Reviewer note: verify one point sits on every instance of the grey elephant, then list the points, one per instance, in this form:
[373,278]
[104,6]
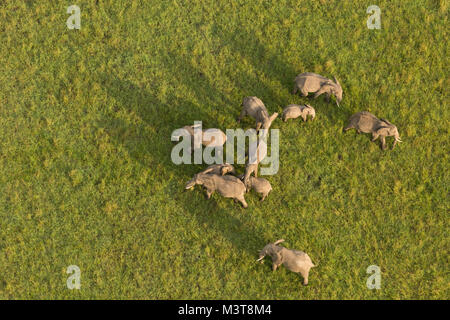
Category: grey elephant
[220,169]
[379,128]
[212,137]
[294,111]
[260,185]
[254,107]
[228,186]
[293,260]
[311,82]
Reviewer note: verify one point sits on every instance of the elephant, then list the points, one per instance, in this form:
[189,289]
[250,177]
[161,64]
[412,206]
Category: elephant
[366,122]
[228,186]
[293,111]
[293,260]
[255,108]
[212,137]
[260,185]
[311,82]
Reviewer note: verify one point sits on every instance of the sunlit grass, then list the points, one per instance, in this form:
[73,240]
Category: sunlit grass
[86,175]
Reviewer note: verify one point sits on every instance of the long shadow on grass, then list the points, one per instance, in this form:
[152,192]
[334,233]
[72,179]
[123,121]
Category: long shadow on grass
[147,139]
[155,150]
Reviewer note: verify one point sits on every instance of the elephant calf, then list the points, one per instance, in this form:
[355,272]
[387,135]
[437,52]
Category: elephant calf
[293,260]
[212,137]
[260,185]
[311,82]
[220,169]
[294,111]
[255,108]
[366,122]
[228,186]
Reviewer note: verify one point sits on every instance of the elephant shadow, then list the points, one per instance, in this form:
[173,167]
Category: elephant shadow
[142,116]
[153,122]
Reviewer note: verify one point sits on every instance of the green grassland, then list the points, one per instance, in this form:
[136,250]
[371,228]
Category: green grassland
[86,176]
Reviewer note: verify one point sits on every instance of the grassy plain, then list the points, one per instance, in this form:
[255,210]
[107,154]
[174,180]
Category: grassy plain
[86,177]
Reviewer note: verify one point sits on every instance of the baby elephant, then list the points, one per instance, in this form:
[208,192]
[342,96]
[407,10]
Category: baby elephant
[366,122]
[212,137]
[260,185]
[294,111]
[310,82]
[220,169]
[255,108]
[228,186]
[293,260]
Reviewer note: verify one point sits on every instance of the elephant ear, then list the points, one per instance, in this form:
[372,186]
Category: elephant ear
[336,81]
[327,82]
[278,257]
[385,121]
[383,131]
[325,87]
[261,114]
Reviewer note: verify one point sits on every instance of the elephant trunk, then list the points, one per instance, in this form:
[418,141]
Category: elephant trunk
[190,184]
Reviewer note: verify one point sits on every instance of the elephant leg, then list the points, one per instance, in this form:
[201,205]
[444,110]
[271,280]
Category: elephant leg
[241,199]
[305,274]
[274,266]
[304,92]
[383,143]
[295,89]
[375,136]
[263,197]
[395,142]
[327,97]
[258,126]
[208,193]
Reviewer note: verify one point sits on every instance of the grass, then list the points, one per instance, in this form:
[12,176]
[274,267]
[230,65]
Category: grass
[86,176]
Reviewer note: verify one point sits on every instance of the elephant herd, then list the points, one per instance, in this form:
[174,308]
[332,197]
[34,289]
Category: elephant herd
[223,178]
